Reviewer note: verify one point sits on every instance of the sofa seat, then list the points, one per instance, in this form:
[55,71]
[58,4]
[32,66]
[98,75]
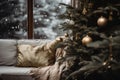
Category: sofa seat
[15,73]
[14,70]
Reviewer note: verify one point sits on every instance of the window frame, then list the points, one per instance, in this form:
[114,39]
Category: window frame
[30,19]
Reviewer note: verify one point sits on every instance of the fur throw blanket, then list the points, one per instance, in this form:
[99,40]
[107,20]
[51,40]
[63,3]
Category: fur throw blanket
[52,72]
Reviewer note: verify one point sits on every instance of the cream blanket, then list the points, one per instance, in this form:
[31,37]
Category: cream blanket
[48,73]
[52,72]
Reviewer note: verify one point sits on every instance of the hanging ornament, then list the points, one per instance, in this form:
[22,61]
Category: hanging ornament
[66,34]
[102,21]
[110,16]
[87,39]
[109,67]
[84,11]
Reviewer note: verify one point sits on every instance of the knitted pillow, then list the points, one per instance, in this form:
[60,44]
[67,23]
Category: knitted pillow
[34,56]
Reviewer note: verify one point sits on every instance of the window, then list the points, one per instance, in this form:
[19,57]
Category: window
[45,18]
[13,19]
[14,23]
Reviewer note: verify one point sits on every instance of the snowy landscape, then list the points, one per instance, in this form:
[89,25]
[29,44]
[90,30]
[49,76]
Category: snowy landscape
[46,22]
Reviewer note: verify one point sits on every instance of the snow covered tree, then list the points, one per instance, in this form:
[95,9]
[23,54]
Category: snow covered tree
[8,24]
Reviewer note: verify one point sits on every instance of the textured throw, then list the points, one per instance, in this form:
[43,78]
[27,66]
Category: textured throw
[48,73]
[52,72]
[37,56]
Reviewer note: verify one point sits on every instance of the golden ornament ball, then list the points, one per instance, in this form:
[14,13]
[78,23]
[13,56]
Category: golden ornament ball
[102,21]
[87,39]
[66,34]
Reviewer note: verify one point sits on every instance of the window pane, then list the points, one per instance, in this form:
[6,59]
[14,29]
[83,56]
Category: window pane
[13,19]
[46,21]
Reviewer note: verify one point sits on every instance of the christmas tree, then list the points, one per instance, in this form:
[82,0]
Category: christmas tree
[92,49]
[8,23]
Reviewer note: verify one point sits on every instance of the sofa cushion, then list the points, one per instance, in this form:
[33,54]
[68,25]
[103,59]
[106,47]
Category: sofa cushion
[11,70]
[34,56]
[33,42]
[16,77]
[8,52]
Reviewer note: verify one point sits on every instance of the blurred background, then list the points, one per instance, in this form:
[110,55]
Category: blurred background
[13,18]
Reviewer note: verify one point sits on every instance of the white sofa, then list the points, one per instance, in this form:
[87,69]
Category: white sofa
[8,59]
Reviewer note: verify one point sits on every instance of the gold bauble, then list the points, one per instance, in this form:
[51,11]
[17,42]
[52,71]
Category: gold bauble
[84,11]
[102,21]
[110,16]
[66,34]
[87,39]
